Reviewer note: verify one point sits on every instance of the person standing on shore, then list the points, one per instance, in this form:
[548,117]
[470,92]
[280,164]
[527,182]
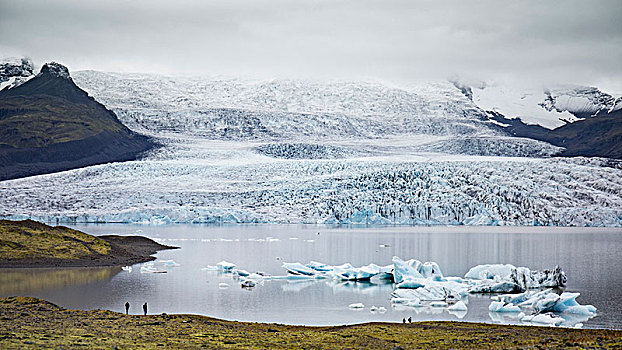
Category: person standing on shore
[127,307]
[145,308]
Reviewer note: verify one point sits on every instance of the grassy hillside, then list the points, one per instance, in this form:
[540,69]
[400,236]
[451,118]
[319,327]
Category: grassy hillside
[39,121]
[34,323]
[49,124]
[32,240]
[32,244]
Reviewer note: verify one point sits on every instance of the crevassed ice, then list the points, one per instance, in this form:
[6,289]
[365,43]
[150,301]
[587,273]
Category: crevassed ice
[309,152]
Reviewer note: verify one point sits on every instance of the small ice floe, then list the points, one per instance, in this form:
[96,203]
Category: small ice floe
[240,272]
[499,306]
[222,266]
[168,263]
[299,269]
[225,266]
[384,245]
[248,284]
[293,238]
[127,268]
[438,304]
[310,240]
[223,285]
[459,306]
[549,319]
[272,239]
[377,309]
[356,306]
[412,302]
[150,268]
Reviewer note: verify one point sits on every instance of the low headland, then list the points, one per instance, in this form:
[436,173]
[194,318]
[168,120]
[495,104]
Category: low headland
[27,322]
[33,244]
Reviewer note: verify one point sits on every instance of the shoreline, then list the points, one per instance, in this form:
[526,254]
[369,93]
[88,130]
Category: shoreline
[34,323]
[30,244]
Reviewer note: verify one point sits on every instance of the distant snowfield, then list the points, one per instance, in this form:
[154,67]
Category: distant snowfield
[550,108]
[294,152]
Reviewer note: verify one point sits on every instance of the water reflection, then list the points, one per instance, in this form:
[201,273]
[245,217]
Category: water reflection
[21,281]
[590,258]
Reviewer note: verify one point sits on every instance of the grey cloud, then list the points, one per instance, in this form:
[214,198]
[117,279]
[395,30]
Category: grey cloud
[396,40]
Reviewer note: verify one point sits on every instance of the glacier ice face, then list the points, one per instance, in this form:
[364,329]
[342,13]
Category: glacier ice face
[416,190]
[333,153]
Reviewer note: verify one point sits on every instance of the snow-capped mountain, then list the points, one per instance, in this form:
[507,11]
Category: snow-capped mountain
[318,152]
[284,110]
[15,71]
[547,107]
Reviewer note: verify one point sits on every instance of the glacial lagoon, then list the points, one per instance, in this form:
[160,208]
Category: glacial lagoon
[589,256]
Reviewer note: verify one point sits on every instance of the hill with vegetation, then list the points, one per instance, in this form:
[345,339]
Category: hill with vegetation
[32,244]
[48,124]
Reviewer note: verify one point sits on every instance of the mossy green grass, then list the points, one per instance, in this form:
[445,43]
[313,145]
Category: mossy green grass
[33,240]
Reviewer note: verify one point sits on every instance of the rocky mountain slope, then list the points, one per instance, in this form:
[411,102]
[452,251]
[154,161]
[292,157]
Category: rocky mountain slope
[48,124]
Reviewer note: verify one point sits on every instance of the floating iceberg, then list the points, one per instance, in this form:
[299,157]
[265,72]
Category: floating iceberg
[495,287]
[374,309]
[427,293]
[499,306]
[459,306]
[225,266]
[418,284]
[414,269]
[239,272]
[127,268]
[248,284]
[522,277]
[545,306]
[542,319]
[490,271]
[299,269]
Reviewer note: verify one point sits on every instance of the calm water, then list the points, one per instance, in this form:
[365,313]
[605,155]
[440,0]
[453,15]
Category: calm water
[590,257]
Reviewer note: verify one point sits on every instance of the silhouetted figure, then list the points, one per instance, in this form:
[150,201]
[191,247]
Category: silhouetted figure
[403,320]
[145,308]
[127,307]
[410,320]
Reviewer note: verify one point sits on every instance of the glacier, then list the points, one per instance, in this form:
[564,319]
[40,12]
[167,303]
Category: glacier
[281,151]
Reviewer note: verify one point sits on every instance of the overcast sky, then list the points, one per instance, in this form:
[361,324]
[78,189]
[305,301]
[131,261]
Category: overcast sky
[537,42]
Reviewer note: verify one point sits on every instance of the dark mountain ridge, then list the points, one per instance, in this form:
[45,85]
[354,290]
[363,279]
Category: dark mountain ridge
[48,124]
[598,136]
